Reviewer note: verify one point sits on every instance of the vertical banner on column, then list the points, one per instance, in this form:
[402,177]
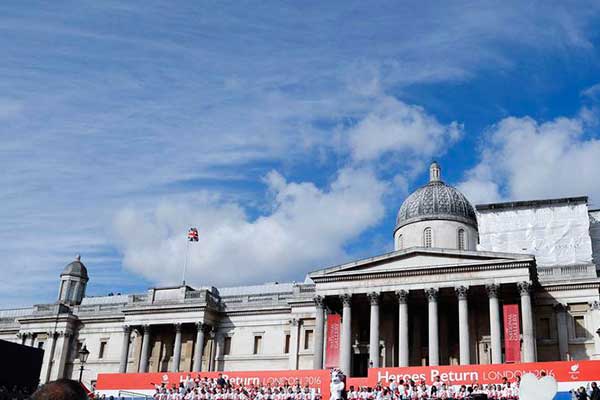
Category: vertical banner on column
[512,333]
[332,357]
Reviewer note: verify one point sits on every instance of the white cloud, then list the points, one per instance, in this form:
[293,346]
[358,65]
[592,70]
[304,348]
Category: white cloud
[396,127]
[111,116]
[526,159]
[307,228]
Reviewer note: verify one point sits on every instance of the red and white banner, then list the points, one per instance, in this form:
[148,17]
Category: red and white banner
[145,383]
[569,374]
[332,355]
[512,334]
[562,371]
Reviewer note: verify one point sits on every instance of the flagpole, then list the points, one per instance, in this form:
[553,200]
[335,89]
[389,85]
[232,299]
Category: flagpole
[187,253]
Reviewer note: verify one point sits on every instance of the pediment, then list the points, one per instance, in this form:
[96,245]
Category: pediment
[421,258]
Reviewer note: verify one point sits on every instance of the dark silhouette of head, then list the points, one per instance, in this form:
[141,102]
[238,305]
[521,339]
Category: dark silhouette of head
[62,389]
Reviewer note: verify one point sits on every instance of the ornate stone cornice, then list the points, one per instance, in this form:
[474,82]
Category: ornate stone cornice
[374,298]
[346,299]
[432,294]
[524,288]
[440,270]
[492,290]
[462,292]
[402,296]
[555,287]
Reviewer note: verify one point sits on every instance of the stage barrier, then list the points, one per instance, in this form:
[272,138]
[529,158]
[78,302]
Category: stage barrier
[569,375]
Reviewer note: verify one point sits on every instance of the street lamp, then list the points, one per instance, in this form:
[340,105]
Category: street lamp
[83,355]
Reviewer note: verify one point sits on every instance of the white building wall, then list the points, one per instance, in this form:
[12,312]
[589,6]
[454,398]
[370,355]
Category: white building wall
[444,235]
[91,334]
[555,234]
[243,329]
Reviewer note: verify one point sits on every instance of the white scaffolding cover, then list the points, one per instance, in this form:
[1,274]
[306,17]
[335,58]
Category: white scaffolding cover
[555,234]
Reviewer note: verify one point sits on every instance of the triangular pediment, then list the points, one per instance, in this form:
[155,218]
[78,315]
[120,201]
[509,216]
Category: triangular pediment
[420,258]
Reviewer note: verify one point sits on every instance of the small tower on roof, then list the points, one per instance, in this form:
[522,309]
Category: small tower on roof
[73,282]
[435,172]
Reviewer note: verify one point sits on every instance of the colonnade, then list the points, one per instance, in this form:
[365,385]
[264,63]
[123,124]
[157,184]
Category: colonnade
[432,294]
[201,330]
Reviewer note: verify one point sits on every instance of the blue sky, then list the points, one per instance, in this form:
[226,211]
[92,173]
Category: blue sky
[288,132]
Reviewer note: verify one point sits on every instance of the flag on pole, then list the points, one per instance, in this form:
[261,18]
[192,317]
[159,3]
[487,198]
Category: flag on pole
[192,235]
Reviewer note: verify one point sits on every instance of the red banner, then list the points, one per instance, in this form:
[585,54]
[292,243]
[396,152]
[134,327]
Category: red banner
[512,334]
[568,374]
[145,383]
[332,357]
[562,371]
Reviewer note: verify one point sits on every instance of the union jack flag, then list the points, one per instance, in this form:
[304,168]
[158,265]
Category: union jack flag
[192,235]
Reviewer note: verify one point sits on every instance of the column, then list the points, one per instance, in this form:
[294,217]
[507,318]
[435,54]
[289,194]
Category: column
[293,349]
[177,348]
[374,331]
[61,349]
[495,330]
[125,349]
[346,349]
[319,332]
[48,357]
[527,313]
[563,330]
[595,310]
[145,349]
[434,343]
[463,325]
[199,346]
[219,341]
[403,353]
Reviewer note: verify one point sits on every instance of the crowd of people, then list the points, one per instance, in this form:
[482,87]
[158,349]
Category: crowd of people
[13,392]
[203,388]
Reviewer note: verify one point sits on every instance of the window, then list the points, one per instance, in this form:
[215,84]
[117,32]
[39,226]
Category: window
[308,339]
[461,239]
[427,237]
[227,346]
[580,331]
[544,328]
[102,348]
[286,344]
[257,344]
[400,243]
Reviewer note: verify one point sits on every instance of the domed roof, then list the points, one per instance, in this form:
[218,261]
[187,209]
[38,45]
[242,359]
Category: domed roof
[76,268]
[436,201]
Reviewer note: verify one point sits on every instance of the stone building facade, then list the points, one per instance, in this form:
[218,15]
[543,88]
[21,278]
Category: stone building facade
[435,300]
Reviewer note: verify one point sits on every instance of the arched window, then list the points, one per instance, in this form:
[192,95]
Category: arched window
[461,239]
[399,243]
[427,237]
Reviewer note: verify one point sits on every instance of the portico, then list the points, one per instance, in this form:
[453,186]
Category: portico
[171,333]
[426,306]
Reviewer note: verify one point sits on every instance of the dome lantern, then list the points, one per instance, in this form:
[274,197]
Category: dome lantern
[435,172]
